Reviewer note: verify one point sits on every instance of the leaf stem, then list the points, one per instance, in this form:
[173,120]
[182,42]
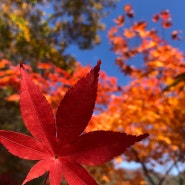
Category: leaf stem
[46,178]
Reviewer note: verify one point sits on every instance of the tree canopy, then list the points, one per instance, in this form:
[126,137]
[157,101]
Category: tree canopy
[42,30]
[153,100]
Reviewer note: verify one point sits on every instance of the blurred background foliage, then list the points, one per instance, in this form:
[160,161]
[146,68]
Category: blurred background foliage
[42,30]
[39,32]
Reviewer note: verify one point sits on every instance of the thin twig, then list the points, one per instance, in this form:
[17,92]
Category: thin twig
[143,167]
[147,173]
[170,168]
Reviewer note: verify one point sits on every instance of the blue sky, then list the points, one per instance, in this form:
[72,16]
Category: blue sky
[144,9]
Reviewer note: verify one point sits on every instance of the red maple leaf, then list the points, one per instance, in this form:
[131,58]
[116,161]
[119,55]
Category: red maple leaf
[59,142]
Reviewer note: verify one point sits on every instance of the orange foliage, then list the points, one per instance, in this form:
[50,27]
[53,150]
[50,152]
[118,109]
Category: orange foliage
[165,17]
[129,11]
[56,82]
[120,20]
[143,105]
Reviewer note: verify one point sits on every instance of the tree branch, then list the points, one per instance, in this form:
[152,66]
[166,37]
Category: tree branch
[145,169]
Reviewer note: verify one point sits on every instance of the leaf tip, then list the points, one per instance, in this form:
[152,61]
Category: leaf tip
[21,65]
[99,62]
[143,136]
[97,67]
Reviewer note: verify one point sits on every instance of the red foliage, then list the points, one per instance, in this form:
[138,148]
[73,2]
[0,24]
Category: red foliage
[59,143]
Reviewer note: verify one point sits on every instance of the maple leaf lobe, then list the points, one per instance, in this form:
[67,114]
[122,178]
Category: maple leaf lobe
[98,147]
[36,111]
[76,108]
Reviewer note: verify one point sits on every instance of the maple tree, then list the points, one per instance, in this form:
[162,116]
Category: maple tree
[58,143]
[153,101]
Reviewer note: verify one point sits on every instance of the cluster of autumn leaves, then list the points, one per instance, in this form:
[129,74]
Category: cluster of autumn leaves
[153,102]
[154,99]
